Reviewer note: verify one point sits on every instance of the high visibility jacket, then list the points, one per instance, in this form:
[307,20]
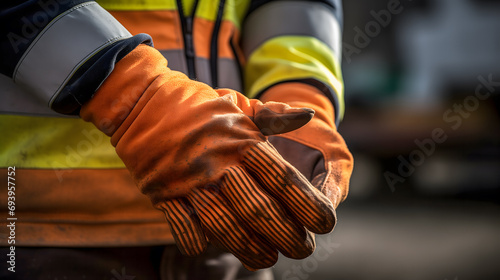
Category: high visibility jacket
[71,189]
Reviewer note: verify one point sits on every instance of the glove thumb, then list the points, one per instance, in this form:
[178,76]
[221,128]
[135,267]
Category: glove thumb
[270,117]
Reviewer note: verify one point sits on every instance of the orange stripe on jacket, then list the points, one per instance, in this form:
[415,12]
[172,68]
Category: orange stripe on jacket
[89,207]
[163,26]
[202,41]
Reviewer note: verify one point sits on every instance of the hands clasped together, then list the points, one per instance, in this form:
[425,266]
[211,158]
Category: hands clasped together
[202,156]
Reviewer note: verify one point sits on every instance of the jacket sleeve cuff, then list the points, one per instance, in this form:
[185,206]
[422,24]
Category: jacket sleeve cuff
[72,55]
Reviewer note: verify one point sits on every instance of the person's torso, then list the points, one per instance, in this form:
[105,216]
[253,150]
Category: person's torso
[69,176]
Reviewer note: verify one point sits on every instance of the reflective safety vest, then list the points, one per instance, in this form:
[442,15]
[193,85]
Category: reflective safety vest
[71,187]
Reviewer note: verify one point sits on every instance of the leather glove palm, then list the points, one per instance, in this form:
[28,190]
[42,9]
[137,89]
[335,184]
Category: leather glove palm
[202,157]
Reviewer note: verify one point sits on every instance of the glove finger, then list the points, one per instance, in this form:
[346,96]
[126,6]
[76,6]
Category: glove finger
[276,118]
[228,232]
[264,215]
[185,226]
[305,203]
[270,117]
[216,243]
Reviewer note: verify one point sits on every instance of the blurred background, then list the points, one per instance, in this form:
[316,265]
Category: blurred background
[422,85]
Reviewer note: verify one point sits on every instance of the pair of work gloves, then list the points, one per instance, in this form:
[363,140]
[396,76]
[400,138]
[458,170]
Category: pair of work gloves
[204,158]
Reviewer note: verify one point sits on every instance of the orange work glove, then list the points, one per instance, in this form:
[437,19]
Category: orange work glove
[202,157]
[317,150]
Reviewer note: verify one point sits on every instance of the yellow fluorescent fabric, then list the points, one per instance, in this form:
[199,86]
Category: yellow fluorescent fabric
[234,10]
[293,57]
[207,9]
[187,6]
[58,143]
[138,5]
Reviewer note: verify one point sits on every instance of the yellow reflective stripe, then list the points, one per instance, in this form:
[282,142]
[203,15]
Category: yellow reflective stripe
[138,5]
[207,9]
[293,57]
[291,18]
[239,8]
[188,6]
[54,143]
[234,10]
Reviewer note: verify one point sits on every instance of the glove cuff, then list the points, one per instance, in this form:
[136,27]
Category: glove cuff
[112,104]
[303,96]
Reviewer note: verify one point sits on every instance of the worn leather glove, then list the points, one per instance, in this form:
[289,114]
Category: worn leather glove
[202,157]
[317,150]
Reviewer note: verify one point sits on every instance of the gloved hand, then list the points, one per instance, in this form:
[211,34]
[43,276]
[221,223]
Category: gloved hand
[202,157]
[317,150]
